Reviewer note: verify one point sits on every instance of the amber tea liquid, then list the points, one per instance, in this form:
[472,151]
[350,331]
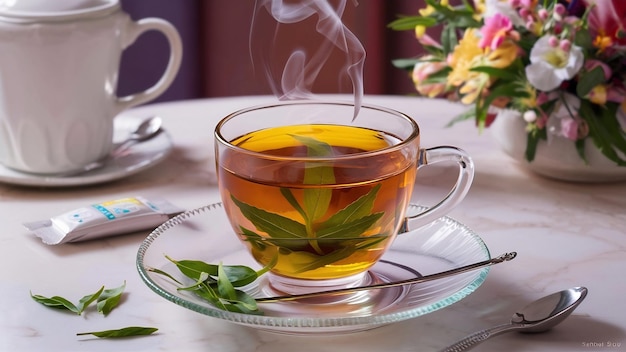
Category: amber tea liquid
[309,200]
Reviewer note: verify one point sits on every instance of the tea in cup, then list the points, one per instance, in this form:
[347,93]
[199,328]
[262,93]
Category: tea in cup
[319,194]
[58,72]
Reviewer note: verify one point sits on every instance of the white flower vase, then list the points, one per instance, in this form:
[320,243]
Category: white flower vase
[556,158]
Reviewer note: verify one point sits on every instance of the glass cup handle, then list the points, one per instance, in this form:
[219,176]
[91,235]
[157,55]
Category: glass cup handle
[457,193]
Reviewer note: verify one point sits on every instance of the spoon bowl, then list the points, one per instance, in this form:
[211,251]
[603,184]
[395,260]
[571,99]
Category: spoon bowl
[539,316]
[147,129]
[547,312]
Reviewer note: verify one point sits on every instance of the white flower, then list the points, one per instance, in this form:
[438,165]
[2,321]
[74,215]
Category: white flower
[552,65]
[504,7]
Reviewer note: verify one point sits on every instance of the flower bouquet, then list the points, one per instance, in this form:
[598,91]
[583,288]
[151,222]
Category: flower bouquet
[559,65]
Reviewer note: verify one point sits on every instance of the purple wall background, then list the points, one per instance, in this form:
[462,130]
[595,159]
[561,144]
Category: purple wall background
[144,61]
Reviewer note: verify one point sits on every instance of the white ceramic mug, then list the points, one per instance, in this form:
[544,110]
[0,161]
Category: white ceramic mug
[59,63]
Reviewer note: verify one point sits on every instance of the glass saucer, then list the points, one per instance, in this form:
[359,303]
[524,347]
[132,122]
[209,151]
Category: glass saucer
[205,234]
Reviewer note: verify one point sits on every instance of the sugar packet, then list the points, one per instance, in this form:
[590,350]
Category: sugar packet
[104,219]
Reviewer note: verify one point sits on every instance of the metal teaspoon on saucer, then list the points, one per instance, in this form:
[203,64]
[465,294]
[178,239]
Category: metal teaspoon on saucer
[502,258]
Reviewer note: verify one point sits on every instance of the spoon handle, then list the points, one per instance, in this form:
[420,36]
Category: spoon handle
[502,258]
[474,339]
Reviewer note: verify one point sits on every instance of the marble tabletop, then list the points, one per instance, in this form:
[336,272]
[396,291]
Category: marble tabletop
[565,234]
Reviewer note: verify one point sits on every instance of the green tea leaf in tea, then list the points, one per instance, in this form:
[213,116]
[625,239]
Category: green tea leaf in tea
[351,229]
[316,199]
[355,210]
[124,332]
[286,193]
[344,249]
[274,225]
[109,299]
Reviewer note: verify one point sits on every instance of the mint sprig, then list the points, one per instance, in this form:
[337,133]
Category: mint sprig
[218,284]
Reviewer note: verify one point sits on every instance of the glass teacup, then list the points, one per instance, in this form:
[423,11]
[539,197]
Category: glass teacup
[319,194]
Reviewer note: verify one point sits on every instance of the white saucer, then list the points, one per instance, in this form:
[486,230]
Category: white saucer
[205,234]
[137,158]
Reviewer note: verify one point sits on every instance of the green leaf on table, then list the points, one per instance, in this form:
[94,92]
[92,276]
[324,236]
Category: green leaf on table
[87,300]
[109,299]
[124,332]
[57,302]
[63,303]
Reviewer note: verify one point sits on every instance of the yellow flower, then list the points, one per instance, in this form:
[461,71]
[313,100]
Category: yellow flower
[425,12]
[467,55]
[473,88]
[480,8]
[420,31]
[503,56]
[529,102]
[429,10]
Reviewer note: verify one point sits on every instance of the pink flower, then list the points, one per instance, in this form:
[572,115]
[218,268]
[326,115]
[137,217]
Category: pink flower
[606,22]
[494,31]
[421,73]
[569,128]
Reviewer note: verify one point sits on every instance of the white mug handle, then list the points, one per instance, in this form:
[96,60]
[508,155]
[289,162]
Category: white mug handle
[135,29]
[457,193]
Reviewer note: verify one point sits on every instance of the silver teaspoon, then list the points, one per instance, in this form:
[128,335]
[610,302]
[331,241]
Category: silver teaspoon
[539,316]
[416,280]
[147,129]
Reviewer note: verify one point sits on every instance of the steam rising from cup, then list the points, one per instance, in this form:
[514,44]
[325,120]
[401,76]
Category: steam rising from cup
[302,68]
